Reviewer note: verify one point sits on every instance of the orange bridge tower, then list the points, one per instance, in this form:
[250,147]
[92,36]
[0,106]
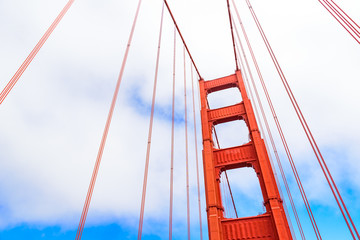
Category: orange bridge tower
[273,223]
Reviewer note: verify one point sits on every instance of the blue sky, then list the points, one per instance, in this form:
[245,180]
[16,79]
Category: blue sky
[52,121]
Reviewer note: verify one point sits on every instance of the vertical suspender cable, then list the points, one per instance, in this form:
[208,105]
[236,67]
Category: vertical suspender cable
[33,53]
[172,143]
[187,154]
[105,133]
[196,153]
[268,131]
[307,131]
[288,153]
[141,219]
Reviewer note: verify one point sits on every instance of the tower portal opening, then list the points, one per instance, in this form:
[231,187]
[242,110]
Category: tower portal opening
[223,98]
[231,134]
[246,192]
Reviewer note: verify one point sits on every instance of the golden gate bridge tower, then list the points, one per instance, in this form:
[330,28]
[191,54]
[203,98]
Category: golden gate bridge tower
[273,224]
[270,225]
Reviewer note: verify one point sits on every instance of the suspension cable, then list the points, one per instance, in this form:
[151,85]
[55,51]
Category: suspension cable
[345,14]
[196,152]
[141,220]
[307,131]
[187,153]
[342,20]
[172,143]
[284,142]
[257,116]
[232,34]
[182,38]
[33,53]
[105,133]
[232,198]
[268,130]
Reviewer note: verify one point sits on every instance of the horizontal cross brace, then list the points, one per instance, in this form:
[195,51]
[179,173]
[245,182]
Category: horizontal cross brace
[235,157]
[227,114]
[221,84]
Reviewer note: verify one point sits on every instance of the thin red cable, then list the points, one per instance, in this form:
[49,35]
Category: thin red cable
[172,143]
[146,171]
[268,131]
[182,38]
[196,153]
[33,53]
[224,200]
[345,14]
[231,195]
[105,133]
[345,17]
[232,34]
[344,20]
[257,116]
[307,130]
[284,142]
[187,154]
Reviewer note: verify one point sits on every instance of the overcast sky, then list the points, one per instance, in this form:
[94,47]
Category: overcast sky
[52,121]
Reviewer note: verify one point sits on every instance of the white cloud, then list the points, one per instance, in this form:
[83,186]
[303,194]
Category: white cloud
[52,121]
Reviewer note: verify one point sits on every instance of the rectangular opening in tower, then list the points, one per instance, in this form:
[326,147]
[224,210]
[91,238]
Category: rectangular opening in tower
[246,193]
[231,134]
[223,98]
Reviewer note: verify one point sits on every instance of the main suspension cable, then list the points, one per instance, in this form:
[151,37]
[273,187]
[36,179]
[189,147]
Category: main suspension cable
[172,142]
[141,220]
[307,131]
[106,130]
[284,142]
[182,38]
[196,152]
[33,53]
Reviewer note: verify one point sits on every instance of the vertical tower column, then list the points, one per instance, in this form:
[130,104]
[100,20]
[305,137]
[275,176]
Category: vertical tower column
[273,223]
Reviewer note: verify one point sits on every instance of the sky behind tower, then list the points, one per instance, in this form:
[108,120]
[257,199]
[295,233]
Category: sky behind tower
[52,121]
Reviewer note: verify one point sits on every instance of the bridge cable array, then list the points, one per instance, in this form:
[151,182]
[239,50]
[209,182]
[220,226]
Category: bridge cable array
[343,18]
[266,122]
[196,153]
[308,132]
[106,130]
[141,219]
[186,152]
[284,142]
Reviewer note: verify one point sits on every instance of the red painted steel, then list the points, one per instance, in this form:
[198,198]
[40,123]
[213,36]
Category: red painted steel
[273,223]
